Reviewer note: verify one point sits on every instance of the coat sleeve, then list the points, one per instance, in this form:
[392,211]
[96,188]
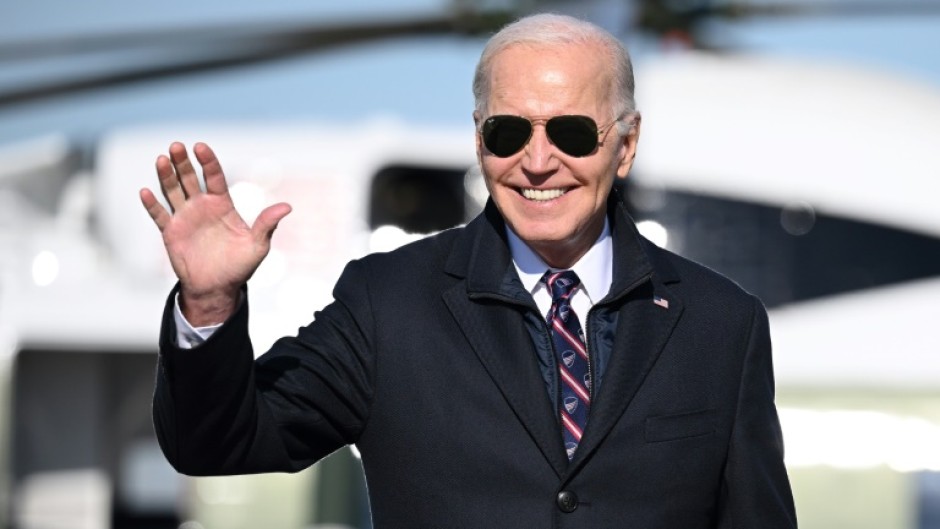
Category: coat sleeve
[217,410]
[756,491]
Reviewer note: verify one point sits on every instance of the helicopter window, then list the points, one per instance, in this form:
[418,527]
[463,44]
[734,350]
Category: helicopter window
[785,254]
[418,199]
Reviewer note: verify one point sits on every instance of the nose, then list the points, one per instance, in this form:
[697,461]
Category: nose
[539,156]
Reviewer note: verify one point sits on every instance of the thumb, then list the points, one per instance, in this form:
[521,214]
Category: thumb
[268,220]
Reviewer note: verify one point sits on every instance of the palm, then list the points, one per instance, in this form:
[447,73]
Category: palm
[213,251]
[210,245]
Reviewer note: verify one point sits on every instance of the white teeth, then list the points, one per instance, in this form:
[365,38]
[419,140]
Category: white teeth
[542,194]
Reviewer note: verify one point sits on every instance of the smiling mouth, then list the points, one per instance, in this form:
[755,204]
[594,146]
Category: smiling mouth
[542,195]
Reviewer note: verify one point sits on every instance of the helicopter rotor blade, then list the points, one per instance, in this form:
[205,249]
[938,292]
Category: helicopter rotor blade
[213,49]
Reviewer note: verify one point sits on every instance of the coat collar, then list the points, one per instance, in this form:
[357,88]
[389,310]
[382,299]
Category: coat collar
[481,254]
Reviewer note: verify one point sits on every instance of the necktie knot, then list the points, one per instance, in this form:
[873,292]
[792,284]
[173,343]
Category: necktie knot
[561,284]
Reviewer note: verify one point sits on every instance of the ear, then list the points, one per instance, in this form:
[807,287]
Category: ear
[476,134]
[628,147]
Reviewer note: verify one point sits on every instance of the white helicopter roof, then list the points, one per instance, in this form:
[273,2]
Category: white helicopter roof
[848,142]
[883,337]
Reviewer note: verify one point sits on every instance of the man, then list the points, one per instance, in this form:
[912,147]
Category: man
[545,366]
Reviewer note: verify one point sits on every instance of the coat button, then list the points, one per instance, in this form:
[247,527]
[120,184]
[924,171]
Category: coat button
[567,501]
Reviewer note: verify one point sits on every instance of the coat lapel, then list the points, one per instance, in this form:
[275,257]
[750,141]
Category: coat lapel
[491,315]
[643,328]
[489,327]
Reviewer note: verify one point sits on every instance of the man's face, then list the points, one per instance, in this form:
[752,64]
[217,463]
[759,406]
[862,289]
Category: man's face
[562,220]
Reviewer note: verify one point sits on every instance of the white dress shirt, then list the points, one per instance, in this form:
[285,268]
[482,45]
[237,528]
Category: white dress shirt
[595,270]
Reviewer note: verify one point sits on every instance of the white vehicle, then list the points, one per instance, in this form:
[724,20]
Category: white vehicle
[814,186]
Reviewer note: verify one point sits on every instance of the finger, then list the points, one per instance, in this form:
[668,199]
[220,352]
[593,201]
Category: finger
[211,169]
[268,220]
[185,171]
[169,183]
[157,212]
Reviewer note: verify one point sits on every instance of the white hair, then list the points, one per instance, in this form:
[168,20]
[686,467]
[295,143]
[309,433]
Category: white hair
[554,29]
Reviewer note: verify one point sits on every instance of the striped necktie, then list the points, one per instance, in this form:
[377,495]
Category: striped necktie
[574,365]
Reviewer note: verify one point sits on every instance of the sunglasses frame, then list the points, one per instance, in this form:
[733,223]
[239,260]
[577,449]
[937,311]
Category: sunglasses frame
[599,132]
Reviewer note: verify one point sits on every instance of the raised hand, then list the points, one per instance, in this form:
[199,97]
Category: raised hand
[212,249]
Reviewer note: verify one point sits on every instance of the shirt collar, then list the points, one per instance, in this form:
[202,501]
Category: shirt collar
[595,268]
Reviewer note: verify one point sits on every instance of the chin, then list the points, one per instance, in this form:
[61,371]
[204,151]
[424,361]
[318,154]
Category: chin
[541,235]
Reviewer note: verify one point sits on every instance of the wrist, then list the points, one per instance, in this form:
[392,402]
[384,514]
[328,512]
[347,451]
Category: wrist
[208,308]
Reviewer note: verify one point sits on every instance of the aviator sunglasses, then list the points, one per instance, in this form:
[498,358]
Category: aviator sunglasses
[505,135]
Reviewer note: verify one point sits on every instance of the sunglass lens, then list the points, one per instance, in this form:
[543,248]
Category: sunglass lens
[574,135]
[506,135]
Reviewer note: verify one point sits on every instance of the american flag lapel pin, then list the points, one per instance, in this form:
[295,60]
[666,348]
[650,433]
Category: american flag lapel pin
[664,303]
